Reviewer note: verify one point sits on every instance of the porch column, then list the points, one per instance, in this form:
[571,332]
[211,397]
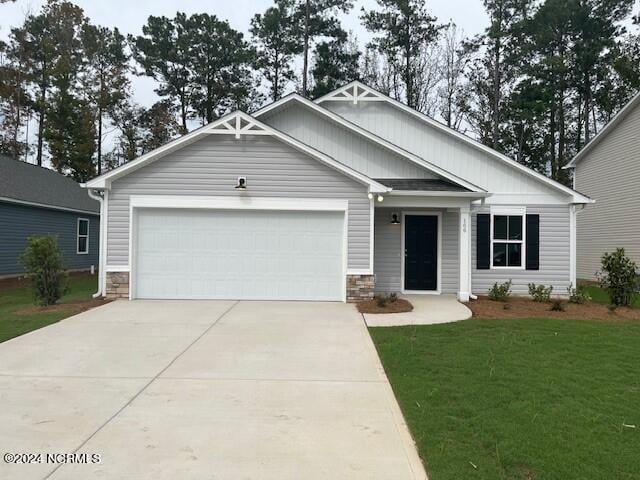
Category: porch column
[464,242]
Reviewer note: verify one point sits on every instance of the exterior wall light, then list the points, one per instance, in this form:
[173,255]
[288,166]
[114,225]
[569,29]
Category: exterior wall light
[394,219]
[370,195]
[242,183]
[380,198]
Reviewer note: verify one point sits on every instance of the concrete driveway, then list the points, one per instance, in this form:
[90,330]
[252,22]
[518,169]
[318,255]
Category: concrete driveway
[203,390]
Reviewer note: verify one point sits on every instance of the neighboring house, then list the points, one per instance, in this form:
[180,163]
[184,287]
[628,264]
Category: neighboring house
[608,169]
[37,201]
[346,195]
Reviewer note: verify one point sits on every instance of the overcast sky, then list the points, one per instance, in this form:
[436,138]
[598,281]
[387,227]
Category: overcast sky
[130,15]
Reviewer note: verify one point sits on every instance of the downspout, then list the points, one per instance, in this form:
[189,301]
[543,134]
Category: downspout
[99,198]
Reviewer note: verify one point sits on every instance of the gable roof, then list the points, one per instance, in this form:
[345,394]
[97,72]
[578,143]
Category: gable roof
[357,91]
[22,182]
[237,123]
[609,127]
[294,97]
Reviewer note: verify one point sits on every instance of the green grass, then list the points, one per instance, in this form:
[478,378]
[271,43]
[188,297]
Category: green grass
[599,295]
[12,300]
[519,399]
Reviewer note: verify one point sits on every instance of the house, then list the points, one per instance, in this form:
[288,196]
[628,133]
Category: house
[607,169]
[37,201]
[331,199]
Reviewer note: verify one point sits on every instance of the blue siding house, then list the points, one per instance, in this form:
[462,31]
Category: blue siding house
[36,201]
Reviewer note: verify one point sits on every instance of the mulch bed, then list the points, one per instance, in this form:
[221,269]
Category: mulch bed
[521,307]
[371,306]
[73,308]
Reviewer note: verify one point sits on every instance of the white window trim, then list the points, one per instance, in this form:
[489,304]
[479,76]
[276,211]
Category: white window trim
[78,236]
[438,289]
[510,211]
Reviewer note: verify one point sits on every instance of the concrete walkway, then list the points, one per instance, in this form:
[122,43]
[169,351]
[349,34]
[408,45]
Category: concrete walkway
[204,390]
[427,310]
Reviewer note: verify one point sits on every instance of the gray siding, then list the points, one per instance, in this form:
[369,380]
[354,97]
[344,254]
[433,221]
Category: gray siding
[343,145]
[212,165]
[610,174]
[388,251]
[19,222]
[437,147]
[554,255]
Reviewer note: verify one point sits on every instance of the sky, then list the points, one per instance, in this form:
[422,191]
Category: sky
[130,15]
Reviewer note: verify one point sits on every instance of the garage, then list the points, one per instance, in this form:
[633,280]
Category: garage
[238,254]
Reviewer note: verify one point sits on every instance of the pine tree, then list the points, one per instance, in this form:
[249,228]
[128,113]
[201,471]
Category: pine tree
[164,53]
[275,36]
[335,64]
[317,19]
[14,101]
[105,76]
[222,79]
[404,29]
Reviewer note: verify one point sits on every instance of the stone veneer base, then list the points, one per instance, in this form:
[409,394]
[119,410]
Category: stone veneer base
[360,287]
[117,285]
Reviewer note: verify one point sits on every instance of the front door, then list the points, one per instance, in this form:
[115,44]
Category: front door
[420,252]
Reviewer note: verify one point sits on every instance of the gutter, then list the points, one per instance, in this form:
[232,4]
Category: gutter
[99,198]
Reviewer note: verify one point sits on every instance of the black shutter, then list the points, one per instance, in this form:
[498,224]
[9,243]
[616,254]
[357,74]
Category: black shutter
[483,250]
[533,242]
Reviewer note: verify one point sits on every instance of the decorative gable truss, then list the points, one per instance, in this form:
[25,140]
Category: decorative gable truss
[353,93]
[237,124]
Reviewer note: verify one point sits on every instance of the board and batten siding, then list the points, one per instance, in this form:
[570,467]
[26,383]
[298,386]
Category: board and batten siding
[610,174]
[388,250]
[441,149]
[342,144]
[554,255]
[211,167]
[19,222]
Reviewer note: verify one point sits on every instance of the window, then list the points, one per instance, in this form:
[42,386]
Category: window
[507,239]
[83,236]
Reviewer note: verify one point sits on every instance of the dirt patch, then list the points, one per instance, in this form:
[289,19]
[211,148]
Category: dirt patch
[517,307]
[72,308]
[371,306]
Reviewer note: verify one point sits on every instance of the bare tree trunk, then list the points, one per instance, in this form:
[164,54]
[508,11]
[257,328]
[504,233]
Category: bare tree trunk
[497,80]
[305,66]
[41,119]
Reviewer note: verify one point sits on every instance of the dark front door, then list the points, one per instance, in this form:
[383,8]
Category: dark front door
[420,252]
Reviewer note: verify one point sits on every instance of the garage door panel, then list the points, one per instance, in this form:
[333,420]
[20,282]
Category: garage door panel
[239,254]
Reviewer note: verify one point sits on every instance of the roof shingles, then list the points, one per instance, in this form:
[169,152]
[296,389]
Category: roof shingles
[29,183]
[422,184]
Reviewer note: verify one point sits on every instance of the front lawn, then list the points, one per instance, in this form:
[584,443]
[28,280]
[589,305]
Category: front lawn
[19,315]
[519,398]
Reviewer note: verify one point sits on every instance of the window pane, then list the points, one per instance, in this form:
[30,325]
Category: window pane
[515,254]
[82,244]
[499,254]
[83,227]
[500,227]
[515,228]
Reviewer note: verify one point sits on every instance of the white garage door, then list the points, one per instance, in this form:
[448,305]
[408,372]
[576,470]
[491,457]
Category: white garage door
[239,254]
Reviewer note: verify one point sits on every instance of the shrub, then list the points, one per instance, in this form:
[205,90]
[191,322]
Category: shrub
[540,293]
[557,306]
[500,291]
[619,277]
[579,294]
[42,261]
[382,300]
